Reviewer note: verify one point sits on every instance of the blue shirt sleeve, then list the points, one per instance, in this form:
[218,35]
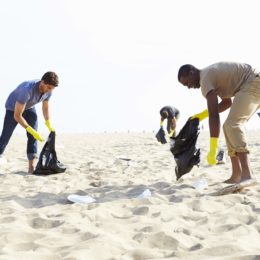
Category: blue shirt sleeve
[48,97]
[23,96]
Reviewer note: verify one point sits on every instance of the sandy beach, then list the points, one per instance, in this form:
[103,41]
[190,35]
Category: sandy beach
[177,221]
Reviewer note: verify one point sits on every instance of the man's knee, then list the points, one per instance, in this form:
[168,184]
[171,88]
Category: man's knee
[227,126]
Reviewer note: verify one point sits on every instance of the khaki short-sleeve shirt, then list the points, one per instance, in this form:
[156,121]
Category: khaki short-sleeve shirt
[226,78]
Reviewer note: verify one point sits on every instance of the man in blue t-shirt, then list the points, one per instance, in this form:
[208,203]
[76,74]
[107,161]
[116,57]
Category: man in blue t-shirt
[20,109]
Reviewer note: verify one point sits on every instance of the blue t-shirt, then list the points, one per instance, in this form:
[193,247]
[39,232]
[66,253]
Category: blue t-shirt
[26,93]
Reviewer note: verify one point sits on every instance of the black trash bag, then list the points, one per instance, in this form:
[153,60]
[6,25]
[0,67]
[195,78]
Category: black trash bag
[184,150]
[48,162]
[160,136]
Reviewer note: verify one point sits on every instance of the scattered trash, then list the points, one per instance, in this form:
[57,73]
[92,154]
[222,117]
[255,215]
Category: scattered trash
[80,199]
[160,136]
[124,158]
[200,184]
[145,194]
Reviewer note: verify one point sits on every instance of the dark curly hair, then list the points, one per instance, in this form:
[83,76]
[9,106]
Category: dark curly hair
[51,78]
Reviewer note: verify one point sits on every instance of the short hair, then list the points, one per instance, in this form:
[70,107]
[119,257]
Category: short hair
[51,78]
[185,70]
[164,114]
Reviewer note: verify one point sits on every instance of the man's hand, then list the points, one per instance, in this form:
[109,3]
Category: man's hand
[212,154]
[48,124]
[204,114]
[172,133]
[161,123]
[34,133]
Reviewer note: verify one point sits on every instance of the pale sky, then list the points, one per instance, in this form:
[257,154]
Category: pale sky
[118,60]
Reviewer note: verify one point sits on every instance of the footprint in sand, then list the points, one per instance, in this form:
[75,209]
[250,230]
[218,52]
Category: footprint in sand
[163,241]
[7,220]
[141,211]
[176,198]
[147,229]
[38,223]
[139,237]
[21,247]
[87,236]
[195,247]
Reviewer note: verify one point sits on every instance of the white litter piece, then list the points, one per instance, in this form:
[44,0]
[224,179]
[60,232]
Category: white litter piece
[80,199]
[200,184]
[145,194]
[123,157]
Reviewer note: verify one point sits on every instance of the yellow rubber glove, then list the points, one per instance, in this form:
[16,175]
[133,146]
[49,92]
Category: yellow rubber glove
[48,124]
[212,154]
[172,133]
[161,123]
[204,114]
[34,133]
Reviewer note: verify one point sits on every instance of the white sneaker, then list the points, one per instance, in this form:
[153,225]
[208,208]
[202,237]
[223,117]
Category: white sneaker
[2,159]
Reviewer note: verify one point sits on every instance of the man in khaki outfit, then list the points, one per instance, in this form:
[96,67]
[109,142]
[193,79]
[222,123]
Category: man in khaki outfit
[227,80]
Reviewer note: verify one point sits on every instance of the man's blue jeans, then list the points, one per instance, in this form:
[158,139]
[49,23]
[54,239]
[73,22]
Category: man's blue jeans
[9,125]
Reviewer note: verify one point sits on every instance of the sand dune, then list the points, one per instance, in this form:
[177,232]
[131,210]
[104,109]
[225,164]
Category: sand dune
[176,222]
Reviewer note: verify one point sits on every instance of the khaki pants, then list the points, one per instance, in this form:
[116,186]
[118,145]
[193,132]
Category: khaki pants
[246,102]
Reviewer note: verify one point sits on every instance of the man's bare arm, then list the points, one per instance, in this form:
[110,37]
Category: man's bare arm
[213,108]
[45,110]
[224,104]
[18,114]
